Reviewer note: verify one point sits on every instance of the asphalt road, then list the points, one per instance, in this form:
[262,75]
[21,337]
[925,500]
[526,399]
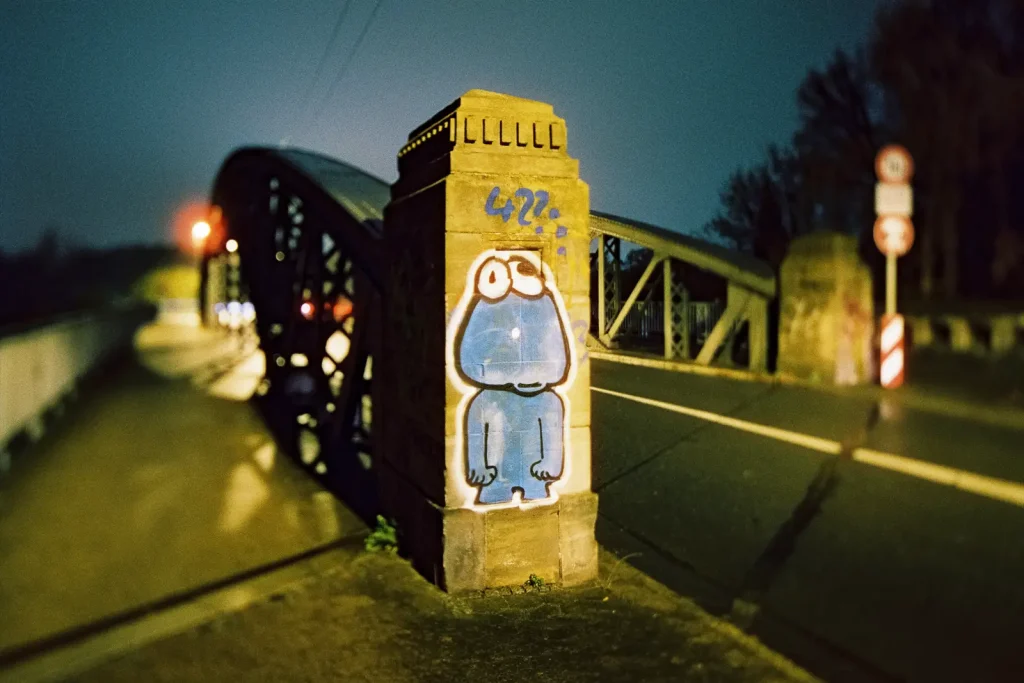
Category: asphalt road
[855,571]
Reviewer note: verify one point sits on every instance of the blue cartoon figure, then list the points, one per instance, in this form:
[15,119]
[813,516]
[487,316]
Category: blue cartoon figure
[511,350]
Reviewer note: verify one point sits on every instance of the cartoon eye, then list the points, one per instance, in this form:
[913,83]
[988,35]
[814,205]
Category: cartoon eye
[526,277]
[493,280]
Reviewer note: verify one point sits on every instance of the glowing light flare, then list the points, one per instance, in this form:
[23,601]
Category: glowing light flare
[342,308]
[200,231]
[245,494]
[231,246]
[307,309]
[337,346]
[186,216]
[264,457]
[309,445]
[457,466]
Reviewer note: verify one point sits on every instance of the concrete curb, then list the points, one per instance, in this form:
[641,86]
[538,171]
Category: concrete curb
[645,590]
[690,368]
[63,662]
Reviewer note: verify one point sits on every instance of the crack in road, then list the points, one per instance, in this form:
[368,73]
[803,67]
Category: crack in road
[780,548]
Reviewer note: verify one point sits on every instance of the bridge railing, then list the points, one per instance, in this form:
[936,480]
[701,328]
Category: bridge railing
[41,366]
[646,320]
[689,330]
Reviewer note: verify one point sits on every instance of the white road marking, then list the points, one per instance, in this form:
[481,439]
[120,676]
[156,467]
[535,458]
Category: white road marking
[990,487]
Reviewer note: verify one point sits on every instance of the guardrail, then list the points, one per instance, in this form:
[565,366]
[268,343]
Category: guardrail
[991,335]
[749,287]
[646,320]
[41,366]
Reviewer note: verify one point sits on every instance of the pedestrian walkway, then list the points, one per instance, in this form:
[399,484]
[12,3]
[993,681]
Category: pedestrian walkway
[158,481]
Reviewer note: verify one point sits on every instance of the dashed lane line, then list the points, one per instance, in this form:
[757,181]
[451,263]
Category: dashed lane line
[989,487]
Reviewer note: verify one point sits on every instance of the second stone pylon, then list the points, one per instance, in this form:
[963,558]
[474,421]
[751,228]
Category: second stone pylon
[483,385]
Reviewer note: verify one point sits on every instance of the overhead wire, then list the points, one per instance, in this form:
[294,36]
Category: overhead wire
[307,98]
[327,52]
[348,61]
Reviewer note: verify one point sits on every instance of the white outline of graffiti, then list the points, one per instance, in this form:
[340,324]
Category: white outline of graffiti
[457,468]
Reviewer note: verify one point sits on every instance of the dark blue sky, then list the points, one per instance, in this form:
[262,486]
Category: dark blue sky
[115,112]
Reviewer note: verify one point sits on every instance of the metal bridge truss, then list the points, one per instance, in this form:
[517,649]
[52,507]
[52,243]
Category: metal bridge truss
[308,265]
[750,288]
[307,254]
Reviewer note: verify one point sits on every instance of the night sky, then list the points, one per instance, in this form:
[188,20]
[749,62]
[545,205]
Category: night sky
[114,113]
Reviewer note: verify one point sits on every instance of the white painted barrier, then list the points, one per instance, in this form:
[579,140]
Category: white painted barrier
[42,365]
[986,335]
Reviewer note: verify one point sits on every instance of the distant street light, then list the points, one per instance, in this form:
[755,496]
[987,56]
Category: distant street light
[231,246]
[200,231]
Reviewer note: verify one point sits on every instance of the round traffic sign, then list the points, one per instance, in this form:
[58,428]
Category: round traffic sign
[894,164]
[894,235]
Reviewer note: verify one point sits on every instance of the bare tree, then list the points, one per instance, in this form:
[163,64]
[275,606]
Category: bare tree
[947,67]
[823,180]
[838,138]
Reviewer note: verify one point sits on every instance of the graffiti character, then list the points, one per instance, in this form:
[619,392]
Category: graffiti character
[512,350]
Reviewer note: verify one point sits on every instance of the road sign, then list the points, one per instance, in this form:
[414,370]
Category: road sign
[894,199]
[894,164]
[894,235]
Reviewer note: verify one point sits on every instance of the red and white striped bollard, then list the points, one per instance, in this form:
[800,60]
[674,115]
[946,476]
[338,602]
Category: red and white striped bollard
[891,368]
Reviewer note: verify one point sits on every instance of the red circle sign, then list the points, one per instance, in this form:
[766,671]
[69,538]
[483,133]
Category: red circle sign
[894,235]
[894,164]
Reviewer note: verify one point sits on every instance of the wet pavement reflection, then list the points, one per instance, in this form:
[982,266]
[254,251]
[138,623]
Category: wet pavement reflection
[161,479]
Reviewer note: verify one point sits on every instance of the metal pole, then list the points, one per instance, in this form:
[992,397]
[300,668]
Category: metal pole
[667,309]
[601,313]
[890,284]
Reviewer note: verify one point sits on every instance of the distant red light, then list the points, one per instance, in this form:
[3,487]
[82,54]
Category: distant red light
[307,309]
[342,309]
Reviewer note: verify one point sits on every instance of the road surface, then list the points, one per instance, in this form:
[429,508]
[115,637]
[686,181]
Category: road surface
[806,534]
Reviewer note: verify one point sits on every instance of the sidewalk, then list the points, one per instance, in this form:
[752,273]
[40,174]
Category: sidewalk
[370,617]
[161,478]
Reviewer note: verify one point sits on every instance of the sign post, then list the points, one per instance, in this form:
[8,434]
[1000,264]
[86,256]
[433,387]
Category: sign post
[894,235]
